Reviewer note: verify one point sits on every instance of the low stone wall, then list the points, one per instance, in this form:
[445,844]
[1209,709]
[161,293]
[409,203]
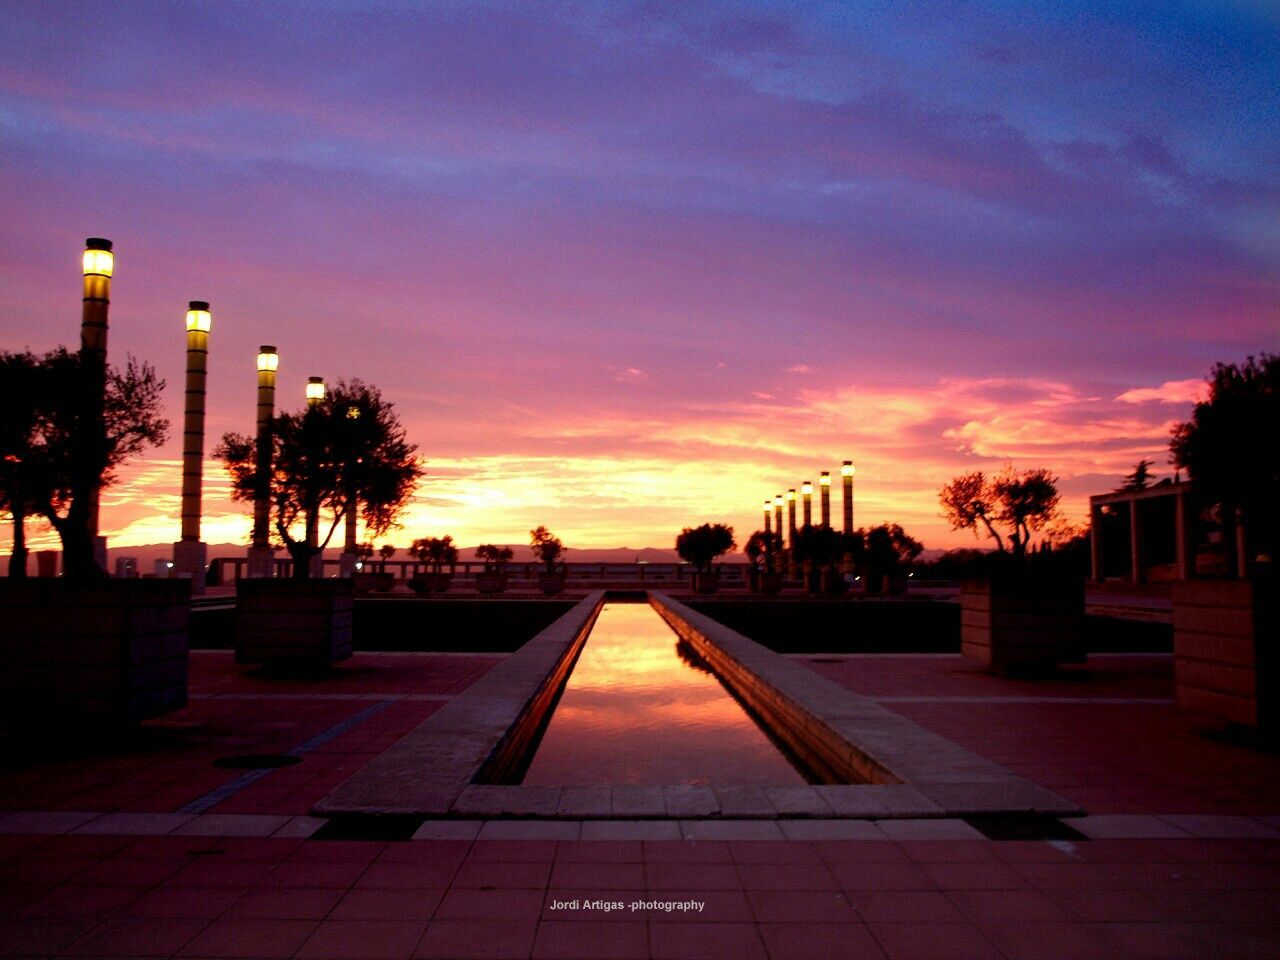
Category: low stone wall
[1219,668]
[288,622]
[110,653]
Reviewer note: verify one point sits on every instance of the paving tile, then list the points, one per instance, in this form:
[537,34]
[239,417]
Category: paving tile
[730,830]
[593,876]
[74,902]
[126,872]
[196,903]
[600,851]
[426,851]
[135,824]
[705,941]
[929,830]
[868,875]
[1108,906]
[934,941]
[830,830]
[631,830]
[379,904]
[448,830]
[136,937]
[949,851]
[364,939]
[687,851]
[288,903]
[308,873]
[513,850]
[399,875]
[1126,826]
[344,851]
[820,941]
[635,801]
[265,939]
[974,876]
[861,851]
[530,830]
[490,904]
[904,906]
[747,851]
[1007,906]
[42,821]
[682,801]
[40,938]
[232,825]
[300,827]
[493,874]
[590,940]
[695,876]
[794,906]
[491,939]
[718,906]
[1219,827]
[786,876]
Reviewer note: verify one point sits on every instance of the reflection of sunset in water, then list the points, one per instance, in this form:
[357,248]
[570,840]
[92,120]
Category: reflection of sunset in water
[634,712]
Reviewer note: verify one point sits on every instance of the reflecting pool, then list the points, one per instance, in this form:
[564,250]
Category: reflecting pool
[639,708]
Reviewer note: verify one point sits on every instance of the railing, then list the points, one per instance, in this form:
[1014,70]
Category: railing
[229,569]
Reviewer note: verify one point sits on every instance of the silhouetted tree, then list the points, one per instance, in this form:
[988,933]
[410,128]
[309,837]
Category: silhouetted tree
[700,546]
[547,546]
[1140,478]
[346,452]
[1021,502]
[889,551]
[763,549]
[1231,449]
[494,557]
[435,551]
[43,439]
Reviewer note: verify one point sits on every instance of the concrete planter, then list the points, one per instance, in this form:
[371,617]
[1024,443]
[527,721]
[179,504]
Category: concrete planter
[431,582]
[1224,647]
[1022,624]
[491,584]
[110,653]
[766,583]
[706,583]
[371,582]
[293,622]
[552,583]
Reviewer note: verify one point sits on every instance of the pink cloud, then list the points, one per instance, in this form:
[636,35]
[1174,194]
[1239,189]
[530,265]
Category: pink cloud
[1171,391]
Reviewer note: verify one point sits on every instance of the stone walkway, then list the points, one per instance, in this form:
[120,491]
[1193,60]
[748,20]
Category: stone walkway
[97,858]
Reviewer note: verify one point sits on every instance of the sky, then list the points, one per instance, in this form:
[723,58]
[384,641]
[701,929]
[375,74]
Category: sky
[627,267]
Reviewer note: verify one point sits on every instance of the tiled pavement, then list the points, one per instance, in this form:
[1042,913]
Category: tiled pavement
[1185,860]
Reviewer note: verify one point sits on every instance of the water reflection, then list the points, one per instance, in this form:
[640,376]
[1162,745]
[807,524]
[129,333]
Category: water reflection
[638,711]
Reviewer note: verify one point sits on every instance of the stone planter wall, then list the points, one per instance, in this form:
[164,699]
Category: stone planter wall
[293,622]
[110,653]
[491,583]
[551,583]
[1022,624]
[1222,665]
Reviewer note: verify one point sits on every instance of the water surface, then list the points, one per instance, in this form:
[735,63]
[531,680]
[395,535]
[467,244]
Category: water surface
[637,710]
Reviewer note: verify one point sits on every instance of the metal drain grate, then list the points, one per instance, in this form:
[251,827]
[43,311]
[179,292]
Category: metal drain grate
[1023,826]
[392,826]
[257,761]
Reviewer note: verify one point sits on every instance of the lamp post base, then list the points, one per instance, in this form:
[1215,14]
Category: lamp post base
[262,562]
[190,558]
[347,564]
[100,552]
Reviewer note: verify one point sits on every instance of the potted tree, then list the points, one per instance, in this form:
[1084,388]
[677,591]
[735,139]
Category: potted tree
[323,458]
[436,553]
[819,549]
[700,546]
[1015,620]
[888,553]
[549,550]
[82,652]
[493,579]
[1224,631]
[763,550]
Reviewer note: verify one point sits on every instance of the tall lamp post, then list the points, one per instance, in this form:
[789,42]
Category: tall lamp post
[806,492]
[768,516]
[189,553]
[791,530]
[846,478]
[347,561]
[261,558]
[99,265]
[315,396]
[824,484]
[777,513]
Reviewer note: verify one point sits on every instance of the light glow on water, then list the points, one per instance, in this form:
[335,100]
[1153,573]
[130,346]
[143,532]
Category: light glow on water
[634,711]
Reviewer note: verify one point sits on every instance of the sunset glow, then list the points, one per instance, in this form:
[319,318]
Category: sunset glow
[624,273]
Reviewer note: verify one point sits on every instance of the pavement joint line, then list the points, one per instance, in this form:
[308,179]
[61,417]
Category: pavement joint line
[232,787]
